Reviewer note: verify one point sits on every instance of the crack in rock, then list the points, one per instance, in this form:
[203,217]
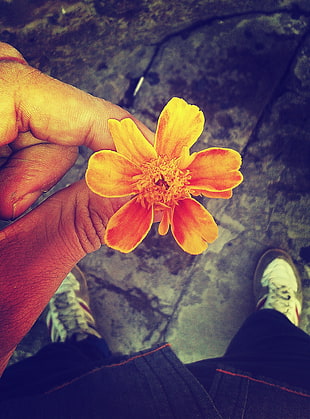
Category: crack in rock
[135,84]
[275,94]
[135,297]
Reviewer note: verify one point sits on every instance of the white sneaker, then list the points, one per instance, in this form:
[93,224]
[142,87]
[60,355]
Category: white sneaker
[277,284]
[69,315]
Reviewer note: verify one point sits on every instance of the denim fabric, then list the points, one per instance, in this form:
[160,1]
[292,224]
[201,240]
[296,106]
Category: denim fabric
[240,395]
[148,385]
[267,345]
[82,380]
[155,384]
[51,366]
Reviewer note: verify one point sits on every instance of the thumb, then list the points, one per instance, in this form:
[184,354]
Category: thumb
[48,242]
[68,225]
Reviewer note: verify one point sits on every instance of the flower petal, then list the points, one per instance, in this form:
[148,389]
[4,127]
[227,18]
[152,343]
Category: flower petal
[179,125]
[215,169]
[110,174]
[165,222]
[129,226]
[130,142]
[223,194]
[193,226]
[185,158]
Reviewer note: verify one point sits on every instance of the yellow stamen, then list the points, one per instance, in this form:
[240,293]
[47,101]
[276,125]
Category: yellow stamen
[161,182]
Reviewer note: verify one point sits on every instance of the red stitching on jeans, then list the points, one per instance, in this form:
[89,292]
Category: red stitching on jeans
[137,356]
[263,382]
[106,366]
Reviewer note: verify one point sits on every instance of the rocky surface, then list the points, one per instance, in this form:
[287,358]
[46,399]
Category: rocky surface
[248,67]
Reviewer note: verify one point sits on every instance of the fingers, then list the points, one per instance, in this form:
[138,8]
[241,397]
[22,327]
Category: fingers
[43,120]
[32,168]
[54,111]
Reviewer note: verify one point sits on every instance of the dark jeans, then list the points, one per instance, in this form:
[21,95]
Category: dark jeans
[267,345]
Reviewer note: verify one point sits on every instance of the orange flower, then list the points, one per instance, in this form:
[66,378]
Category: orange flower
[161,178]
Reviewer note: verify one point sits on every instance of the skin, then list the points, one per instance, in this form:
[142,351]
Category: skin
[43,121]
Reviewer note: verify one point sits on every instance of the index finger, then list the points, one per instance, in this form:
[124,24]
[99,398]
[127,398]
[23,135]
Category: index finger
[54,111]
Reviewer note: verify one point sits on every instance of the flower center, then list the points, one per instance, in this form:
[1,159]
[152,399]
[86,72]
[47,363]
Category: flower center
[162,183]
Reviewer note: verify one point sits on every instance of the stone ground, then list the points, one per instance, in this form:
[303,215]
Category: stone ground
[247,66]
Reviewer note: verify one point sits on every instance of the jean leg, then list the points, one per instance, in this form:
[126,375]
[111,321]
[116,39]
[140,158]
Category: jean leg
[267,345]
[53,365]
[268,331]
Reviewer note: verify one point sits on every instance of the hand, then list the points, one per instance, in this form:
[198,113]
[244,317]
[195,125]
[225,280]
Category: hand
[42,123]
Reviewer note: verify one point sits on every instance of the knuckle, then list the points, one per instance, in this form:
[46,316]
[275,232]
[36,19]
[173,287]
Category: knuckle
[90,227]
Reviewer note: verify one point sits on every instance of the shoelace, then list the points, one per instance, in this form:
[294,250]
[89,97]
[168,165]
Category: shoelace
[281,298]
[66,314]
[282,286]
[280,273]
